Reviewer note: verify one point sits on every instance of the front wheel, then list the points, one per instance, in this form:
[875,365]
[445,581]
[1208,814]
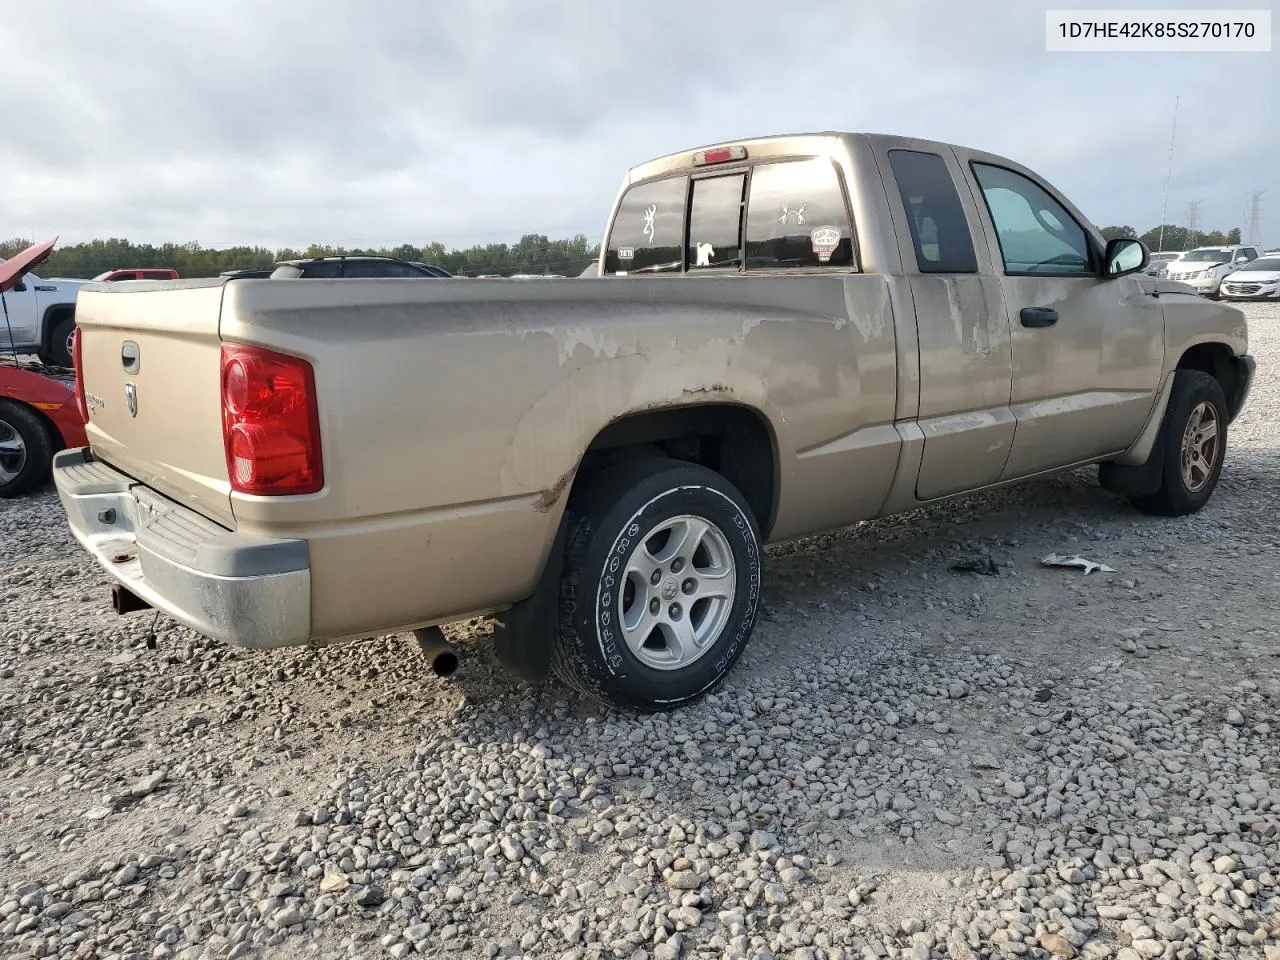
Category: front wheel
[60,343]
[26,450]
[1194,446]
[660,587]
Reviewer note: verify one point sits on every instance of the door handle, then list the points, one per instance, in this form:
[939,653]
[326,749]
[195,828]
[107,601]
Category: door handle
[1038,316]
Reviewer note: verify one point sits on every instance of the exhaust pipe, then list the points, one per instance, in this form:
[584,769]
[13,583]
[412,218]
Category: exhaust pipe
[438,651]
[124,600]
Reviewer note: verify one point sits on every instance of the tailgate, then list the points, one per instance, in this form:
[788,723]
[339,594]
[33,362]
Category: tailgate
[150,358]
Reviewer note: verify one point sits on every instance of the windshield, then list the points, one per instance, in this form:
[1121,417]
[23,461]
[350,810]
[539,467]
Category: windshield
[1266,263]
[1207,256]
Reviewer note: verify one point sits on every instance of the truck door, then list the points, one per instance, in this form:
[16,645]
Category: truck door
[961,321]
[23,315]
[1087,350]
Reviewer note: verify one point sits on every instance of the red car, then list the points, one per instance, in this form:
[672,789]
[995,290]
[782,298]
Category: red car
[140,273]
[39,412]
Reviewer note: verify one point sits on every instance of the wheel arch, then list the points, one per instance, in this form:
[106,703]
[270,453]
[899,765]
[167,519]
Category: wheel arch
[49,320]
[1219,361]
[735,440]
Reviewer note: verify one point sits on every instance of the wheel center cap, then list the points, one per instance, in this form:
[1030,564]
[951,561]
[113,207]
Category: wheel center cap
[670,588]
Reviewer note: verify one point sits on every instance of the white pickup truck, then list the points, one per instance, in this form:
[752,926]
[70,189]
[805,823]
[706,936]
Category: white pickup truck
[42,315]
[797,333]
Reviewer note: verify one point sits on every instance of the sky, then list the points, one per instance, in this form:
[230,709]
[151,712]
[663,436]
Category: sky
[406,121]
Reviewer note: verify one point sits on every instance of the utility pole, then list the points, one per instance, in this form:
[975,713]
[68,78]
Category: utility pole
[1164,208]
[1255,217]
[1193,220]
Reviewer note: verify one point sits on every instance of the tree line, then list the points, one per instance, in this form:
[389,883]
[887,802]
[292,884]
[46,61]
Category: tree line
[534,253]
[1175,238]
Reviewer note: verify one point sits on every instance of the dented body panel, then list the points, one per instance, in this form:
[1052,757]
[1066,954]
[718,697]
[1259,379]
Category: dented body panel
[455,415]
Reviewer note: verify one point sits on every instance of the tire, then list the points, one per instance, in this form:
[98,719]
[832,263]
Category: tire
[1196,396]
[624,520]
[26,449]
[58,353]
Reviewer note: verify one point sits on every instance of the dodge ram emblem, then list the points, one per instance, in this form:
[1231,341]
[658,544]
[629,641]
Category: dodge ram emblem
[131,398]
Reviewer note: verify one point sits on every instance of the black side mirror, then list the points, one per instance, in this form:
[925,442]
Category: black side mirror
[18,287]
[1124,256]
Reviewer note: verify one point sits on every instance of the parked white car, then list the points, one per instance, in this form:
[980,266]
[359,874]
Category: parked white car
[1158,262]
[42,316]
[1204,267]
[1257,280]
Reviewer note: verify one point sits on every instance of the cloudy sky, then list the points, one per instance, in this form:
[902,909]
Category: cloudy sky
[390,121]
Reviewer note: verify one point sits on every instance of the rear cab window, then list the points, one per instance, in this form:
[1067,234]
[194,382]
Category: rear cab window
[648,231]
[797,217]
[715,222]
[777,214]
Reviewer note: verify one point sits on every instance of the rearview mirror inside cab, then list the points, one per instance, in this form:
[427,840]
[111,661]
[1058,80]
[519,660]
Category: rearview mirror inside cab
[1124,256]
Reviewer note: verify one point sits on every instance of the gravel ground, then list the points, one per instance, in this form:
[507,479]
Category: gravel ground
[909,762]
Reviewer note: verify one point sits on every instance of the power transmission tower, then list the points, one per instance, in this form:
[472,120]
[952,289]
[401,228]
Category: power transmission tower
[1255,217]
[1193,220]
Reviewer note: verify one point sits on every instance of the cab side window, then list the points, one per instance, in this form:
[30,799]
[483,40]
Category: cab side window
[1037,236]
[647,235]
[939,228]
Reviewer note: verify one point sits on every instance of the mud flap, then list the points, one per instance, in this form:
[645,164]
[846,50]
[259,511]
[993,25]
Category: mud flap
[523,636]
[1140,481]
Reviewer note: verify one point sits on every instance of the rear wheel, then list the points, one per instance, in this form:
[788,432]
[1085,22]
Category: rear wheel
[26,449]
[660,586]
[1194,446]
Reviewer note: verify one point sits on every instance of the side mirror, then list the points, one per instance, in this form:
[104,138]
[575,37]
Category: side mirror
[18,287]
[1242,259]
[1124,256]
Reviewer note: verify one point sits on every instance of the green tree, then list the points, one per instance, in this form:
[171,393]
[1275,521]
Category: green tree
[1116,233]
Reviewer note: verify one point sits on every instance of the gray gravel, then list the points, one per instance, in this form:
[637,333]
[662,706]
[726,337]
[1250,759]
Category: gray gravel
[909,762]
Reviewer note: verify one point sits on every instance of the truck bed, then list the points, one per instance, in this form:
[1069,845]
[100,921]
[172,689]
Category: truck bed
[456,412]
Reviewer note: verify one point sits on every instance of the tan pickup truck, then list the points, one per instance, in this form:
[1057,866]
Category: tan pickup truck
[795,334]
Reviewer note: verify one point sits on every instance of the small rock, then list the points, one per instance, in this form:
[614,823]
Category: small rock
[684,880]
[957,690]
[148,784]
[334,882]
[1235,717]
[125,875]
[1058,945]
[686,918]
[762,840]
[288,917]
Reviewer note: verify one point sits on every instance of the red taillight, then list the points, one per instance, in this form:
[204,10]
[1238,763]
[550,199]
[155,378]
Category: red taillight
[270,422]
[719,155]
[82,405]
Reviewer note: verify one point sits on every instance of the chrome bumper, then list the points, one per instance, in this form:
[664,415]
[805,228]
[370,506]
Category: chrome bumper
[241,590]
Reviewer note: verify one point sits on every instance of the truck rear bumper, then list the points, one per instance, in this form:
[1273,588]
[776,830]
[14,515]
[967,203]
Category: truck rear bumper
[246,591]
